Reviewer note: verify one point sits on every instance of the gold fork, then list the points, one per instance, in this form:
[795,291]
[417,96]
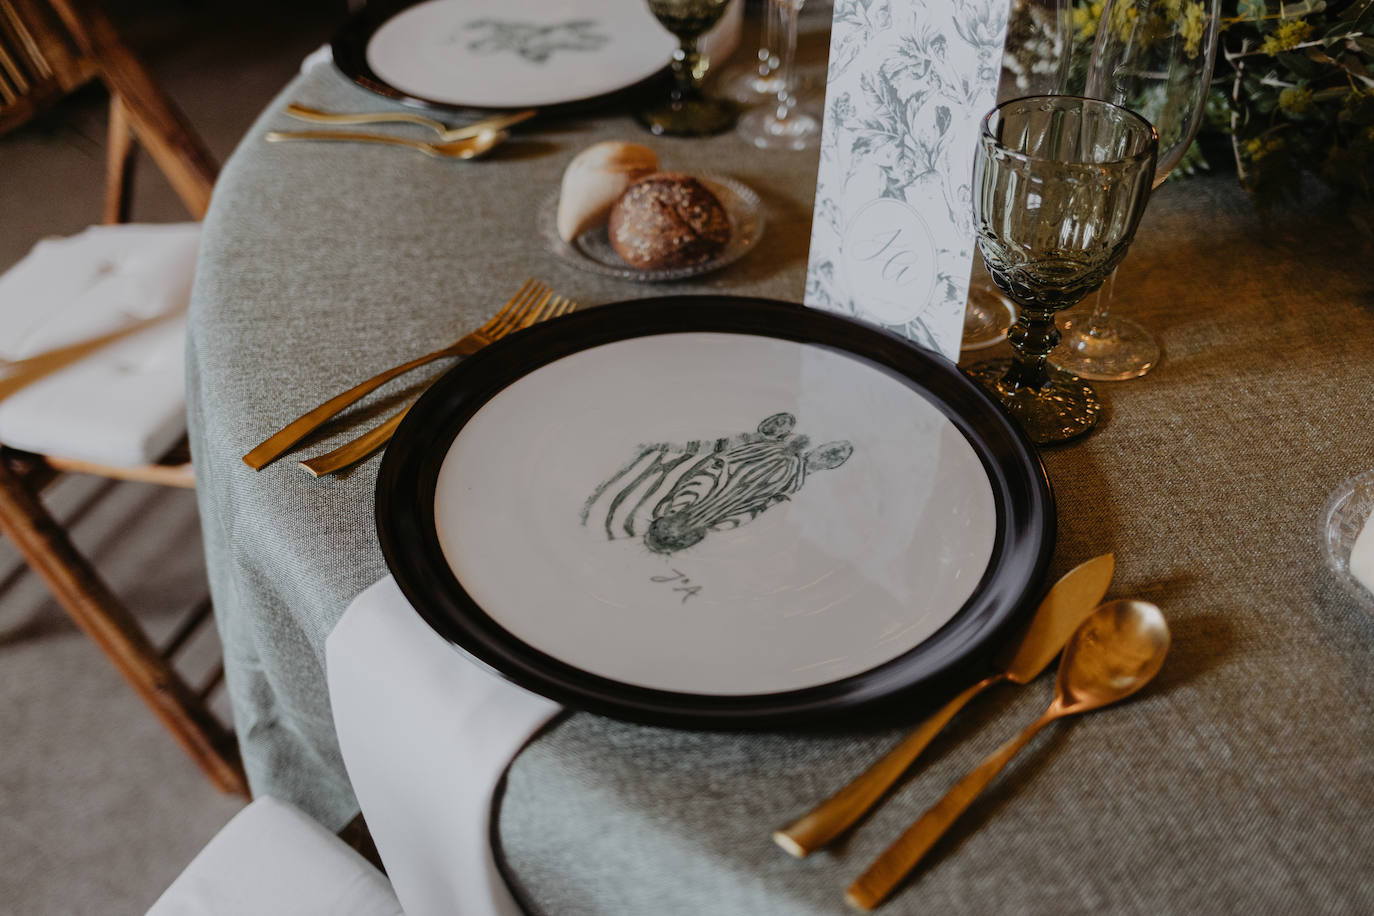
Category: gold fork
[523,309]
[356,450]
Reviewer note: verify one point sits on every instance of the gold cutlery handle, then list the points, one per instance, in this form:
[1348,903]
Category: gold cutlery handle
[276,444]
[380,117]
[832,817]
[357,449]
[349,136]
[500,122]
[895,862]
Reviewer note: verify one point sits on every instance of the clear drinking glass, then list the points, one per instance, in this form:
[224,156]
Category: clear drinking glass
[688,111]
[784,125]
[1154,57]
[1059,186]
[759,80]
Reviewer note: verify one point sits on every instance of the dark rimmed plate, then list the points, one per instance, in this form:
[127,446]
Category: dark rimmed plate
[479,56]
[714,511]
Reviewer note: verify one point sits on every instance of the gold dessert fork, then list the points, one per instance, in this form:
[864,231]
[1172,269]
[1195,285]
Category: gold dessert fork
[356,450]
[523,309]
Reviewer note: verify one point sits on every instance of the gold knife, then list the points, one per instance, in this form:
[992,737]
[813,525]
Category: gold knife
[1068,603]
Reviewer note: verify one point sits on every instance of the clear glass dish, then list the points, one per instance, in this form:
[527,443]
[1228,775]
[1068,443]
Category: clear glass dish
[1346,512]
[592,249]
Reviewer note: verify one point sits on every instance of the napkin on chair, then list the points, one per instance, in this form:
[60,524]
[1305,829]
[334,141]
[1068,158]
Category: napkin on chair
[92,329]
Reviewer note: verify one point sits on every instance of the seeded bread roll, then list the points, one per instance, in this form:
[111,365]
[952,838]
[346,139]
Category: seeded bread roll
[668,220]
[593,181]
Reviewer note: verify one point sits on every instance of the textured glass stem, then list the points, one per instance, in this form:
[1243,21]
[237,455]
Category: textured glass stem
[1102,303]
[787,95]
[686,71]
[1031,339]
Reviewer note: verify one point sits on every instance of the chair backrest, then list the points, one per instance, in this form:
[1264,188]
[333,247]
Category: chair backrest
[50,47]
[39,63]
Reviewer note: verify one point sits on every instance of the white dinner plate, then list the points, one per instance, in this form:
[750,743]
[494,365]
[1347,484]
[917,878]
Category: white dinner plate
[711,503]
[502,54]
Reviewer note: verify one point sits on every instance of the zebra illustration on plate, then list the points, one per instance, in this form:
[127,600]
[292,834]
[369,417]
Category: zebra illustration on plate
[674,495]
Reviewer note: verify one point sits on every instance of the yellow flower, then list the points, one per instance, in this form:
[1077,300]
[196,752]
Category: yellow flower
[1124,16]
[1287,36]
[1295,100]
[1260,147]
[1085,19]
[1193,28]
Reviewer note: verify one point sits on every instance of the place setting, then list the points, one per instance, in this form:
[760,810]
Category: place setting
[751,515]
[631,487]
[709,456]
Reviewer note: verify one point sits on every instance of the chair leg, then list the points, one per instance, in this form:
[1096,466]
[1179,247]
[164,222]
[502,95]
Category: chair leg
[119,164]
[93,607]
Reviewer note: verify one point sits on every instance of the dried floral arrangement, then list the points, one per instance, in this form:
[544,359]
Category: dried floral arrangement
[1293,89]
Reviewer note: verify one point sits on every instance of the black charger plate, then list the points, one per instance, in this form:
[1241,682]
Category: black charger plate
[1004,594]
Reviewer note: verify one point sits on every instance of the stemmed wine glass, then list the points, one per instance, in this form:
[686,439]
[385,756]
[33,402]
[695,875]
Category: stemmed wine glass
[759,80]
[688,111]
[784,125]
[1059,186]
[1154,57]
[1035,61]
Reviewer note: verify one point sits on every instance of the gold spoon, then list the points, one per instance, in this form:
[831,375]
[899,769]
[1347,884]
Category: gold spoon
[1067,604]
[1112,655]
[470,148]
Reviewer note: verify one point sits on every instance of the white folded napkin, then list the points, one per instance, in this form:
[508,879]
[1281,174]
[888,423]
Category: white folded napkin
[92,329]
[426,735]
[68,290]
[273,860]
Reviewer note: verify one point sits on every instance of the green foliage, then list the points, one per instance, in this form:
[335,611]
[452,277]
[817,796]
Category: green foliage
[1297,79]
[1293,89]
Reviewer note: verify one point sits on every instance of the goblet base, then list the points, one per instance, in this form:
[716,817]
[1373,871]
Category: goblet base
[700,117]
[762,128]
[749,87]
[1113,350]
[1063,408]
[987,318]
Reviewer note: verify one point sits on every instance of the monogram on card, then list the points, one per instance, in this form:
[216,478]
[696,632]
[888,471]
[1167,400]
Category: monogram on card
[892,235]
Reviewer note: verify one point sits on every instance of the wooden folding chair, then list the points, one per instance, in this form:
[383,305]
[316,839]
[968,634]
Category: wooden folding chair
[46,48]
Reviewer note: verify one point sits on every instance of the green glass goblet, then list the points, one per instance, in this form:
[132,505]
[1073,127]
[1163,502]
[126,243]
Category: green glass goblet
[688,111]
[1059,186]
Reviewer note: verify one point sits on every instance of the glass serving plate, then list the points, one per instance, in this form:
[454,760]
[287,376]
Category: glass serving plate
[592,251]
[1345,514]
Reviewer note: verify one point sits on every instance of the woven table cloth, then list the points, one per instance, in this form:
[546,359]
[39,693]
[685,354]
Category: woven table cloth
[1241,781]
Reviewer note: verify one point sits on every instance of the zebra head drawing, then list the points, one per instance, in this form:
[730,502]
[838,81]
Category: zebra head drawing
[674,495]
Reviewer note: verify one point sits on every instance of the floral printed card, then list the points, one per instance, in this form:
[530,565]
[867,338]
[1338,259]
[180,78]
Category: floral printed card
[892,237]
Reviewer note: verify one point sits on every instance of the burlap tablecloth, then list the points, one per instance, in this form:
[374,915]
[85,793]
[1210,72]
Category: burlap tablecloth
[1240,782]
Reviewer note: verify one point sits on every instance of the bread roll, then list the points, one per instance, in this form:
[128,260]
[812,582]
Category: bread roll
[594,179]
[668,220]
